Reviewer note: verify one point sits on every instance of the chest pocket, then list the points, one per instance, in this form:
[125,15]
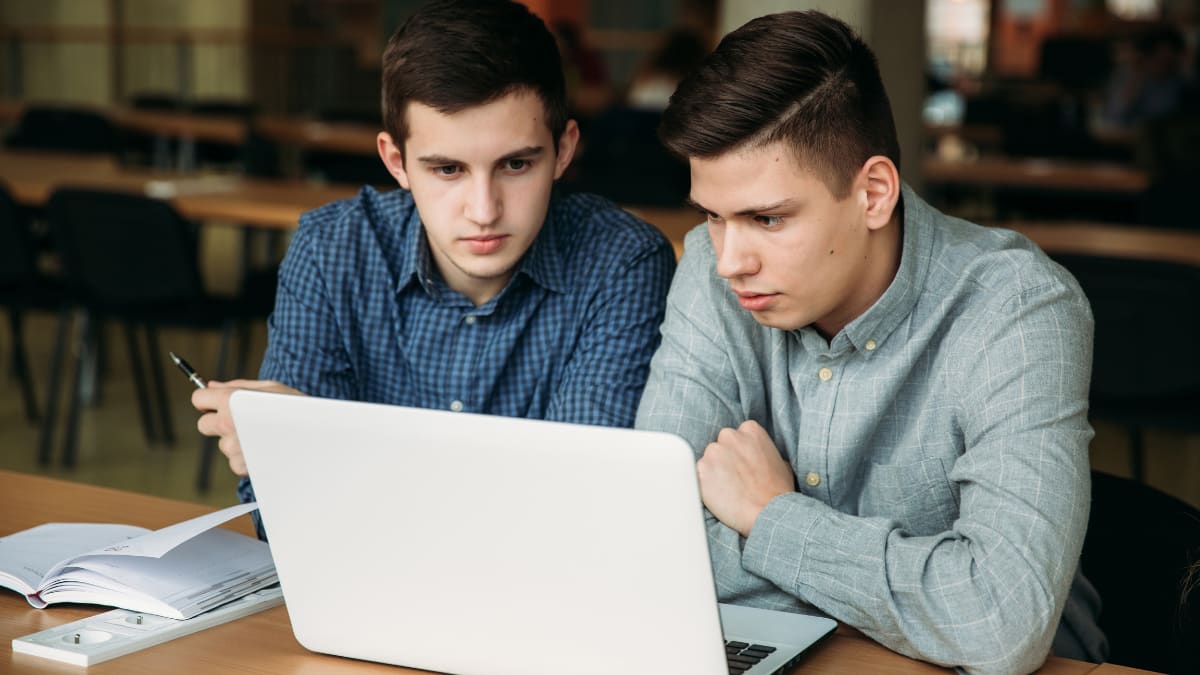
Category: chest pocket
[916,495]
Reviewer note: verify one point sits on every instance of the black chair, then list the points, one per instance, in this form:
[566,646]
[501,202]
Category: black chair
[147,149]
[22,288]
[132,258]
[1168,201]
[65,130]
[1139,546]
[347,167]
[1137,381]
[214,152]
[624,161]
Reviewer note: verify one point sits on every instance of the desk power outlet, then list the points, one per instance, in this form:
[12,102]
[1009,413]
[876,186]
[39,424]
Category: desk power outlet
[119,632]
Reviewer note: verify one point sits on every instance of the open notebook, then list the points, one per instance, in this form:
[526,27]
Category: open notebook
[479,544]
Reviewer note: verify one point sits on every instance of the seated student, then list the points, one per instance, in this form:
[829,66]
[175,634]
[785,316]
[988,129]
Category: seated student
[1152,83]
[474,288]
[889,404]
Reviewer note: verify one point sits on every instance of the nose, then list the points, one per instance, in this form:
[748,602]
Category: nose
[735,254]
[483,204]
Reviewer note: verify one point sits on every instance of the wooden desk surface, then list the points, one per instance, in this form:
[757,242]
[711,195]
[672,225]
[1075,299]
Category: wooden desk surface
[296,131]
[1107,239]
[178,123]
[349,137]
[1042,174]
[263,643]
[32,177]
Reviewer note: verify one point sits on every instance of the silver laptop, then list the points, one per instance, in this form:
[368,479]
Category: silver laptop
[479,544]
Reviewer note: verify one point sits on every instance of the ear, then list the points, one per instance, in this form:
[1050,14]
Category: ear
[393,158]
[567,143]
[880,184]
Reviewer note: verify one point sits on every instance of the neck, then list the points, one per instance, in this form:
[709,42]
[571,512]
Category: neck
[883,260]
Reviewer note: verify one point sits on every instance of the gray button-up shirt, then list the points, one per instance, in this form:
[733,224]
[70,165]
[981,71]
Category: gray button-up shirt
[939,444]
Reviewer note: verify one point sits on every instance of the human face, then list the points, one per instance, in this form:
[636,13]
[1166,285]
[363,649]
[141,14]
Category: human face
[794,254]
[481,180]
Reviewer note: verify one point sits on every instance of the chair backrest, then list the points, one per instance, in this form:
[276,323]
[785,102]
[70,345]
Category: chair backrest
[155,101]
[1139,546]
[1171,145]
[625,162]
[125,251]
[1168,201]
[64,129]
[1136,304]
[17,252]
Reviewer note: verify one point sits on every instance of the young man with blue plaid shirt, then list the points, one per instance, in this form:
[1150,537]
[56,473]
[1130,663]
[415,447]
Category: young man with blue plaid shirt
[474,288]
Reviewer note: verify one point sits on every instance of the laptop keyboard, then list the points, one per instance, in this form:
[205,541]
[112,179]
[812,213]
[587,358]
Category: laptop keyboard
[743,656]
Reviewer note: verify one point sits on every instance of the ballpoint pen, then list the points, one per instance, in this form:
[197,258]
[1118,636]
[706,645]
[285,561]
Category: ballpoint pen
[187,370]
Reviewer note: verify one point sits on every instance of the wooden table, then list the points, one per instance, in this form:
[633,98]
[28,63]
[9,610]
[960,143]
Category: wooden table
[263,643]
[1039,174]
[300,132]
[1108,239]
[348,137]
[33,176]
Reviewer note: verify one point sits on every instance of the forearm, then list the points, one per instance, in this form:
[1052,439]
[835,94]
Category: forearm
[973,597]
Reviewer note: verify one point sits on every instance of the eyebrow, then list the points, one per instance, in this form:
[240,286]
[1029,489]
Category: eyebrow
[515,154]
[782,204]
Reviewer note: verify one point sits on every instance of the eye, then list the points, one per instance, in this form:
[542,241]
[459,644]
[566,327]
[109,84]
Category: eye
[446,170]
[516,164]
[710,216]
[769,221]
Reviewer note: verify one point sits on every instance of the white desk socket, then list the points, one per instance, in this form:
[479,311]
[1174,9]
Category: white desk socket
[119,632]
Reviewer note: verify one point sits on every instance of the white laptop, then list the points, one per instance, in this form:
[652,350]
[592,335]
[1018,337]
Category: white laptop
[476,544]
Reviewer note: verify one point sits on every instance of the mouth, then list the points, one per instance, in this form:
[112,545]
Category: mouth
[755,302]
[485,244]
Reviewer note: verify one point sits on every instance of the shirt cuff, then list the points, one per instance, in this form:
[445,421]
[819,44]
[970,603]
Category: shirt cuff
[245,493]
[779,539]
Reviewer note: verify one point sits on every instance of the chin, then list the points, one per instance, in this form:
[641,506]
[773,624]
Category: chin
[775,320]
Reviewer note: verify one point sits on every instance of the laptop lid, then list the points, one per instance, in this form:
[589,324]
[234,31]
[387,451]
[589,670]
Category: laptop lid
[481,544]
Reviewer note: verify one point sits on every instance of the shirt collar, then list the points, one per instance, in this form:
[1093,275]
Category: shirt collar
[874,326]
[542,263]
[415,259]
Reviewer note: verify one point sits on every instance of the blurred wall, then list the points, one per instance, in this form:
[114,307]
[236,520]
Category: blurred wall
[71,58]
[895,30]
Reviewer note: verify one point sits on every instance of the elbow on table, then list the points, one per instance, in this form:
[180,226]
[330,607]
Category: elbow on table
[1022,652]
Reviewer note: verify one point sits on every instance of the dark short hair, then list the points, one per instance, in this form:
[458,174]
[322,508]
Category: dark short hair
[454,54]
[804,78]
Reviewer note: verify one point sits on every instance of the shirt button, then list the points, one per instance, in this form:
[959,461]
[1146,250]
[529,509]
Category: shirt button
[456,406]
[470,320]
[870,345]
[824,374]
[813,479]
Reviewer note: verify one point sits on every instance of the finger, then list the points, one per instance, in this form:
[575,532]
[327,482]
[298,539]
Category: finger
[260,384]
[236,384]
[230,447]
[206,400]
[751,427]
[207,425]
[238,467]
[727,435]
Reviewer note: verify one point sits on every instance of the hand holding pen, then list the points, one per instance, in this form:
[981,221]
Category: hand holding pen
[211,399]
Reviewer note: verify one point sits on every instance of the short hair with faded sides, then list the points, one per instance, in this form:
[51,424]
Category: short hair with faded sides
[455,54]
[803,78]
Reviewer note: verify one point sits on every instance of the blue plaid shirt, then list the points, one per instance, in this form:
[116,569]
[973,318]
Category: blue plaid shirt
[363,314]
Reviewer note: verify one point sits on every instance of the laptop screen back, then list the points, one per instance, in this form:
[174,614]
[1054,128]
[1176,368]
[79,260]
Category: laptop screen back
[470,543]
